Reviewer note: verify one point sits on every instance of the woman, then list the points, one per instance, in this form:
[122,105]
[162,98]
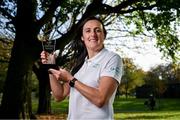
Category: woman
[93,82]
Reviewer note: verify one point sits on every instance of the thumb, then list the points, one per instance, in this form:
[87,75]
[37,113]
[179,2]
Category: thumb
[52,71]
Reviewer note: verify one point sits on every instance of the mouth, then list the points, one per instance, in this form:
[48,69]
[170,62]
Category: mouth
[93,39]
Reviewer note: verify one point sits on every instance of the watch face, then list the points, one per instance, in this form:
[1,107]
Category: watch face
[72,82]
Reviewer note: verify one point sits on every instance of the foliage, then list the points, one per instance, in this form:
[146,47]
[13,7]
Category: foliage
[132,77]
[162,75]
[167,73]
[5,48]
[161,17]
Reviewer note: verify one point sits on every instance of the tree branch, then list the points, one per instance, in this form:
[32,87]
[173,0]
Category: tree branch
[97,1]
[106,9]
[125,4]
[49,13]
[7,15]
[96,7]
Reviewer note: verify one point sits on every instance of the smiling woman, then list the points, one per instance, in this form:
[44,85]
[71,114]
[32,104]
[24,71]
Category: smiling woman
[93,36]
[96,74]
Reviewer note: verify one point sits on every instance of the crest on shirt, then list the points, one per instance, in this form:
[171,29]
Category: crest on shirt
[115,69]
[96,65]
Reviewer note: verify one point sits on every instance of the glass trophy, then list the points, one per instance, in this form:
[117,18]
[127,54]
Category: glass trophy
[50,47]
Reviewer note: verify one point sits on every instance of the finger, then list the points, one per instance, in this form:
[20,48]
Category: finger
[61,69]
[43,53]
[44,61]
[53,71]
[43,57]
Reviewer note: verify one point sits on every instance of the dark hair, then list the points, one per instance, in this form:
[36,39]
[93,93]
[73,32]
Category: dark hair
[78,46]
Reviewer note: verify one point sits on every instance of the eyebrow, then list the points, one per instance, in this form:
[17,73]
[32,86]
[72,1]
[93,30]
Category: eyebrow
[91,28]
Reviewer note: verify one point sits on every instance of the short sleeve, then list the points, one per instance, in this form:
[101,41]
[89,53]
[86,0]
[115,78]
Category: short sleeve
[113,68]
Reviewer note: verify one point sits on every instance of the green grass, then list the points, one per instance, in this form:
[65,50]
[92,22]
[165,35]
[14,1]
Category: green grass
[134,105]
[132,109]
[156,115]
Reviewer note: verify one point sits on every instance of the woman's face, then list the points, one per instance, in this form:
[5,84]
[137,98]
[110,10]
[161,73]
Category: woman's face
[93,35]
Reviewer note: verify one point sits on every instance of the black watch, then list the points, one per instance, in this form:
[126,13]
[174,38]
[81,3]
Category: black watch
[72,82]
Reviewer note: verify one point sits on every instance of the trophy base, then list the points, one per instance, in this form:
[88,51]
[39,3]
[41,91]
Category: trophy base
[50,66]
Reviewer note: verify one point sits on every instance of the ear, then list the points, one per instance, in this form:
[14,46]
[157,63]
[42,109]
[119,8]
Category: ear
[82,38]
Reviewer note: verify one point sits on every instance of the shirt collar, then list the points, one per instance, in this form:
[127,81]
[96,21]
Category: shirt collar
[96,56]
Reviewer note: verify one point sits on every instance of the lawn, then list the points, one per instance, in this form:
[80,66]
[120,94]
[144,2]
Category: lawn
[131,109]
[134,109]
[156,115]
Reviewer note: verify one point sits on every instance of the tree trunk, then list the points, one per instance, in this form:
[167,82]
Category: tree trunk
[16,100]
[44,106]
[16,95]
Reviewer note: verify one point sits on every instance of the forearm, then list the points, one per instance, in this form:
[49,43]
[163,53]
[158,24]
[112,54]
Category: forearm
[58,89]
[92,94]
[98,96]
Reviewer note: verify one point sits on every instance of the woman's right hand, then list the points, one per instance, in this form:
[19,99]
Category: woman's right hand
[47,58]
[44,57]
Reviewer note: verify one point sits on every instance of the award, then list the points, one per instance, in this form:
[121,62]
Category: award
[49,46]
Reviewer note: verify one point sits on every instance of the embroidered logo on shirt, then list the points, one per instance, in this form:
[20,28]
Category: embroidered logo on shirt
[115,69]
[96,65]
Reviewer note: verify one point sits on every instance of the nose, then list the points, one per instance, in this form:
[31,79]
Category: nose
[93,33]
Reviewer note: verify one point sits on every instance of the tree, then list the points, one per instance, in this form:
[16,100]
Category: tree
[156,78]
[27,19]
[161,76]
[131,79]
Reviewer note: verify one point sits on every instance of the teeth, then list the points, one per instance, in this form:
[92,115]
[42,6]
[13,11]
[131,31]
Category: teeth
[93,40]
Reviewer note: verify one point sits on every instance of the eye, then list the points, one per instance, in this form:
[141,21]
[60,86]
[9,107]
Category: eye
[98,30]
[87,30]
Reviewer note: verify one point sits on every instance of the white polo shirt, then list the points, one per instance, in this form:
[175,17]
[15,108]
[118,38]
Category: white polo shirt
[105,63]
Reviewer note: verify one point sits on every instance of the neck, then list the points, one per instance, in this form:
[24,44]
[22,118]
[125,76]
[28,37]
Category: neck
[92,53]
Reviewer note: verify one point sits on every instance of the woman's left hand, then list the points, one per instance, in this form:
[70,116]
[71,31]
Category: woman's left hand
[62,74]
[65,75]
